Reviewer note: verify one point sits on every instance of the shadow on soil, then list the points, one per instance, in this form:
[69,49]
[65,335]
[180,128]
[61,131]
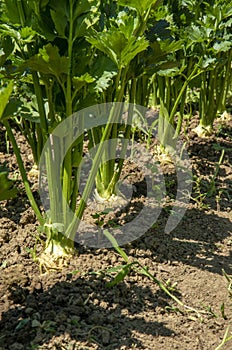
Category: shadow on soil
[87,310]
[90,313]
[196,242]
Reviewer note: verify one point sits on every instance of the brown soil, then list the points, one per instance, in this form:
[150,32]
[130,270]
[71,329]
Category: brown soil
[74,309]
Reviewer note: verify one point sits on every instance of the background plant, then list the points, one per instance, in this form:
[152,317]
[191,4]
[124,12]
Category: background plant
[205,29]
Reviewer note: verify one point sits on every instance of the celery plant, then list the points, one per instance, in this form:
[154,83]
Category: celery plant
[122,43]
[205,28]
[52,54]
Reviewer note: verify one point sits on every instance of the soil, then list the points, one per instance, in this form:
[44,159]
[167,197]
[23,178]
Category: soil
[73,308]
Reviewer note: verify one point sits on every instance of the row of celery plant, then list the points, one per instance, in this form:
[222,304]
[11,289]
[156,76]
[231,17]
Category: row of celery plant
[203,60]
[72,55]
[52,53]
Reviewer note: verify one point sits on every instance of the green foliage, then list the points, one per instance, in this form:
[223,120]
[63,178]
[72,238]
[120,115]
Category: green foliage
[48,61]
[118,42]
[67,55]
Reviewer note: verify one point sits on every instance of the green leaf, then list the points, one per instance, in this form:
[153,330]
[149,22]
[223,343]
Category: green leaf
[83,80]
[113,269]
[8,31]
[12,108]
[22,323]
[12,11]
[4,97]
[60,7]
[83,15]
[27,34]
[85,6]
[169,72]
[198,34]
[140,6]
[104,81]
[115,245]
[222,46]
[102,64]
[169,46]
[126,23]
[120,276]
[207,62]
[29,109]
[117,46]
[49,61]
[60,22]
[7,48]
[83,23]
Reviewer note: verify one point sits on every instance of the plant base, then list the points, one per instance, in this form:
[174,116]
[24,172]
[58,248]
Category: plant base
[162,155]
[56,255]
[203,131]
[113,201]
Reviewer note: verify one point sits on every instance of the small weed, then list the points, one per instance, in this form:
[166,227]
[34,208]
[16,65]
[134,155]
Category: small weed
[225,339]
[22,323]
[210,311]
[205,189]
[223,311]
[199,197]
[99,219]
[49,326]
[124,270]
[171,286]
[32,252]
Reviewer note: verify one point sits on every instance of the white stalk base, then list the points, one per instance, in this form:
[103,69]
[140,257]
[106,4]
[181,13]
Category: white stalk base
[203,131]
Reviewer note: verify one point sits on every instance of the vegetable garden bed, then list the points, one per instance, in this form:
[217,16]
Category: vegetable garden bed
[115,174]
[73,308]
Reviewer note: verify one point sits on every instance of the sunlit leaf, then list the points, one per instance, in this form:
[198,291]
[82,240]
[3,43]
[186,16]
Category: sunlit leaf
[222,46]
[104,81]
[208,61]
[83,80]
[169,46]
[126,23]
[116,246]
[83,23]
[140,6]
[84,6]
[27,34]
[120,49]
[169,72]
